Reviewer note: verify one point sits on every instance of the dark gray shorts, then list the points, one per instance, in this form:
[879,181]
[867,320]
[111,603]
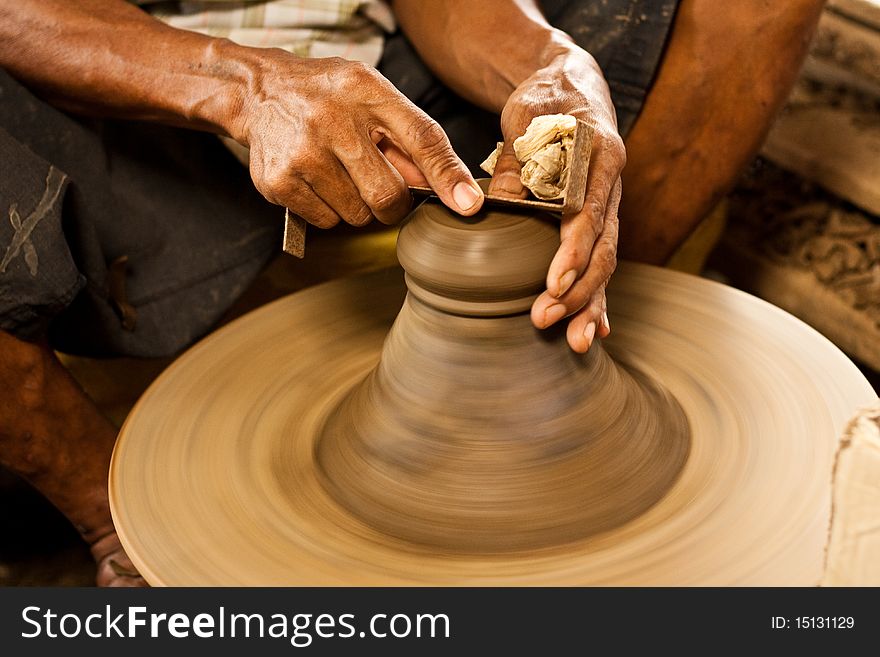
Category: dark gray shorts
[121,238]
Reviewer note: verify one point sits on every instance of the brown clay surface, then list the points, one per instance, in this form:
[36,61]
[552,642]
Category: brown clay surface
[477,434]
[694,446]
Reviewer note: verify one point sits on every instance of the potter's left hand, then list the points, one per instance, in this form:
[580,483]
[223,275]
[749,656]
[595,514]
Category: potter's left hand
[572,84]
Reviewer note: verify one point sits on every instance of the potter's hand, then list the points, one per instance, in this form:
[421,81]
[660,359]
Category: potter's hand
[572,84]
[332,139]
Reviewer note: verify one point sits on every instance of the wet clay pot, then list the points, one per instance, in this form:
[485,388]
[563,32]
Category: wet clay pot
[478,433]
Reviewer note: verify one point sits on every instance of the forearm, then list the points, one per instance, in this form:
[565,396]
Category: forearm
[482,50]
[109,58]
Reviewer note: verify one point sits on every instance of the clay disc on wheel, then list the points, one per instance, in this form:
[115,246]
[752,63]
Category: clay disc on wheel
[213,479]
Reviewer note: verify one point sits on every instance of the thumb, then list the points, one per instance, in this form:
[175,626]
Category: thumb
[506,179]
[430,150]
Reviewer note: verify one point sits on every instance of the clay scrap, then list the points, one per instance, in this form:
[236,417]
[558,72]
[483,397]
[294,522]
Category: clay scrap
[853,556]
[543,153]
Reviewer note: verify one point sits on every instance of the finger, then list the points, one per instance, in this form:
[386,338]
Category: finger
[506,179]
[588,324]
[604,329]
[402,162]
[612,228]
[548,310]
[603,261]
[336,189]
[427,145]
[579,232]
[379,185]
[280,185]
[302,200]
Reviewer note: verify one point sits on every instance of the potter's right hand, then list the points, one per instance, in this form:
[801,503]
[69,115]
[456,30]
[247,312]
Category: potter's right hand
[332,139]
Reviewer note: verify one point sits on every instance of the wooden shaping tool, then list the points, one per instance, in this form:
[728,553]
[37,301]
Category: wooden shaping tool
[572,200]
[575,190]
[294,234]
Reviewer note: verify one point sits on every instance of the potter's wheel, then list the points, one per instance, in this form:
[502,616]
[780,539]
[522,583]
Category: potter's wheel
[217,478]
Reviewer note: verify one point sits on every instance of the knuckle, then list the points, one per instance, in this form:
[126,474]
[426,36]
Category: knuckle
[428,136]
[336,62]
[578,252]
[508,157]
[360,69]
[345,66]
[596,209]
[607,259]
[323,220]
[616,148]
[575,247]
[272,183]
[357,76]
[507,162]
[385,200]
[291,163]
[361,216]
[304,163]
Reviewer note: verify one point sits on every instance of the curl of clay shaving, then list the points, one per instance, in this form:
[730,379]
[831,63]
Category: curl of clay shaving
[853,552]
[543,153]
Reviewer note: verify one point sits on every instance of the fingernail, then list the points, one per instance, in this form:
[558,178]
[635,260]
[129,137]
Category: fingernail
[465,196]
[565,282]
[605,321]
[589,332]
[553,314]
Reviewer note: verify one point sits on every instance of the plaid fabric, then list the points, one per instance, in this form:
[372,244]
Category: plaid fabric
[352,29]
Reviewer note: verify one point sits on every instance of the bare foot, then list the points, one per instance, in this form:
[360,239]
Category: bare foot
[114,566]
